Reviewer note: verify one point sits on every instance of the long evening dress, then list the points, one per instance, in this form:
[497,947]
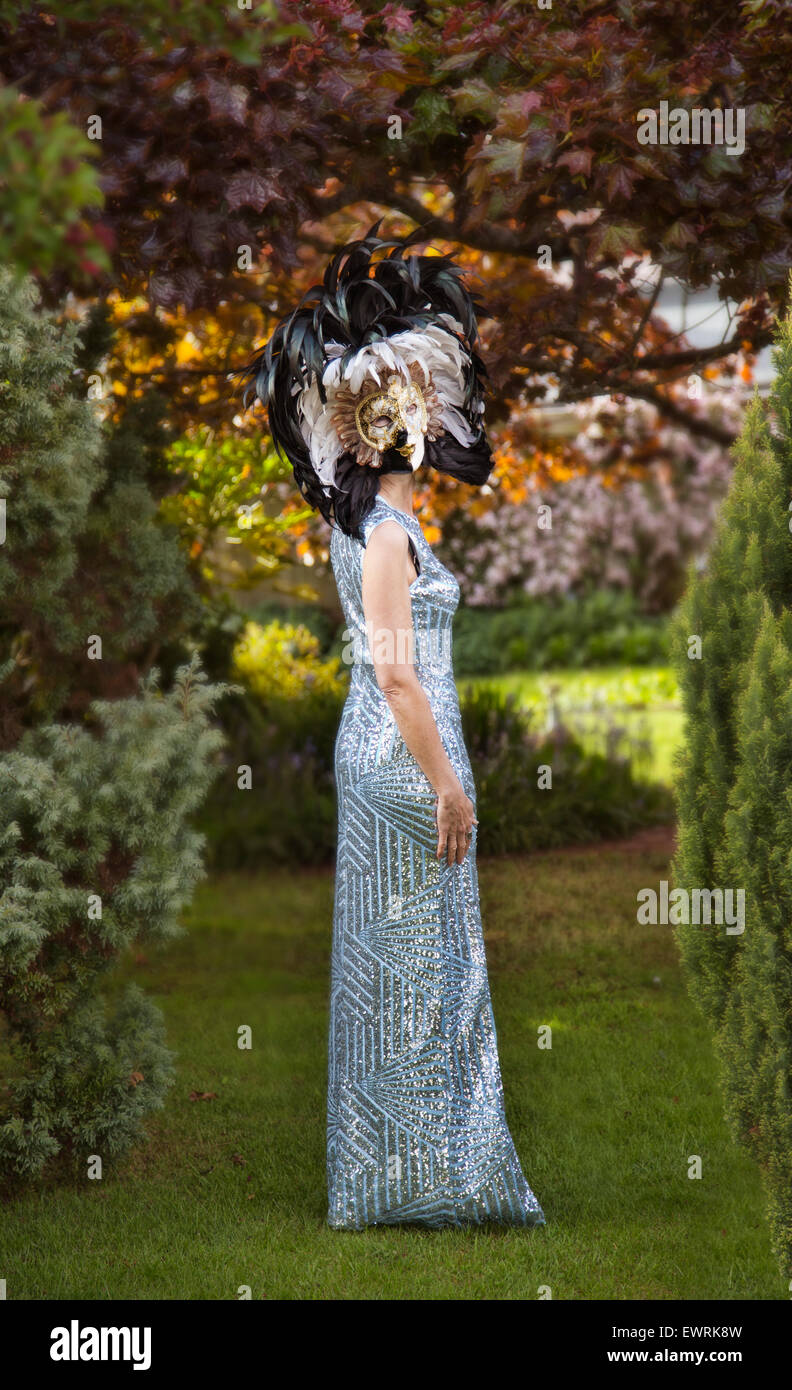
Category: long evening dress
[416,1130]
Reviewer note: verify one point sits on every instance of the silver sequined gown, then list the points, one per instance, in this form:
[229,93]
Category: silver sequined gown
[416,1130]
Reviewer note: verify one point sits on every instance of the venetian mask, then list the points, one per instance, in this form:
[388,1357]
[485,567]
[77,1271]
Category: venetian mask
[382,415]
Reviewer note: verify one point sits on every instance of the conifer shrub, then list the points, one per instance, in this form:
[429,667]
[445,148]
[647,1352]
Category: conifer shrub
[733,651]
[101,770]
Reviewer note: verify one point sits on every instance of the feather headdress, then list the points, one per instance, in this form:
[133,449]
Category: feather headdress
[376,363]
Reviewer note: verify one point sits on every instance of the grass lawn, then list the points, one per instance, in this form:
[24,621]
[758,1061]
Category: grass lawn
[643,701]
[231,1190]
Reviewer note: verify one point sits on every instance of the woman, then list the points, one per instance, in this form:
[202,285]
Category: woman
[374,373]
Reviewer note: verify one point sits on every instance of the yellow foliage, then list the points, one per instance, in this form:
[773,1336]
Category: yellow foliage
[186,349]
[282,661]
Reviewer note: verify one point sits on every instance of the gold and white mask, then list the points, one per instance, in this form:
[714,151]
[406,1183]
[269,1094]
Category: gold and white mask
[412,383]
[368,421]
[381,416]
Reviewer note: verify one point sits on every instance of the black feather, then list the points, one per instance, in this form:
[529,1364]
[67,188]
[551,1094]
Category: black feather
[371,289]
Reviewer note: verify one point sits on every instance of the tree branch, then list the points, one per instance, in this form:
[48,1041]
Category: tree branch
[696,425]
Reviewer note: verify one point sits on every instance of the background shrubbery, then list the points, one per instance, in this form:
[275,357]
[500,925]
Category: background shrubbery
[538,634]
[103,759]
[288,740]
[601,628]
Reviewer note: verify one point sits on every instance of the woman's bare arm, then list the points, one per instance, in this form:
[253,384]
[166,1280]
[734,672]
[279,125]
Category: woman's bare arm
[387,609]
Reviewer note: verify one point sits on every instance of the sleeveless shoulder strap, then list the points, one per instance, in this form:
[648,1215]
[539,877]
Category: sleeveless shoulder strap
[377,515]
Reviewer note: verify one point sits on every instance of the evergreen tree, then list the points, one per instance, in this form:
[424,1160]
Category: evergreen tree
[734,788]
[99,770]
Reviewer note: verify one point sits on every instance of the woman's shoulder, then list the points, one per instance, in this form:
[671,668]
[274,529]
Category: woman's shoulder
[343,544]
[382,512]
[342,540]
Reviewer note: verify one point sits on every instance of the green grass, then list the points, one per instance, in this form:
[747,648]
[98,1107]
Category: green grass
[642,700]
[231,1191]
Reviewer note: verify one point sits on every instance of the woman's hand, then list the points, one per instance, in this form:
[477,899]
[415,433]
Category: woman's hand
[456,816]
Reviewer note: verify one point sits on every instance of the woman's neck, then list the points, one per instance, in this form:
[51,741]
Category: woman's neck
[397,488]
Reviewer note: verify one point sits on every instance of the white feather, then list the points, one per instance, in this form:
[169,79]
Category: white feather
[457,425]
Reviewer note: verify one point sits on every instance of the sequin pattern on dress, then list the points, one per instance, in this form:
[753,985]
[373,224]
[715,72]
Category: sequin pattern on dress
[416,1130]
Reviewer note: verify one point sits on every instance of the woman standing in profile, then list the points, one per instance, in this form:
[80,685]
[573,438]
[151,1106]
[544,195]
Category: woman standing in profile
[373,375]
